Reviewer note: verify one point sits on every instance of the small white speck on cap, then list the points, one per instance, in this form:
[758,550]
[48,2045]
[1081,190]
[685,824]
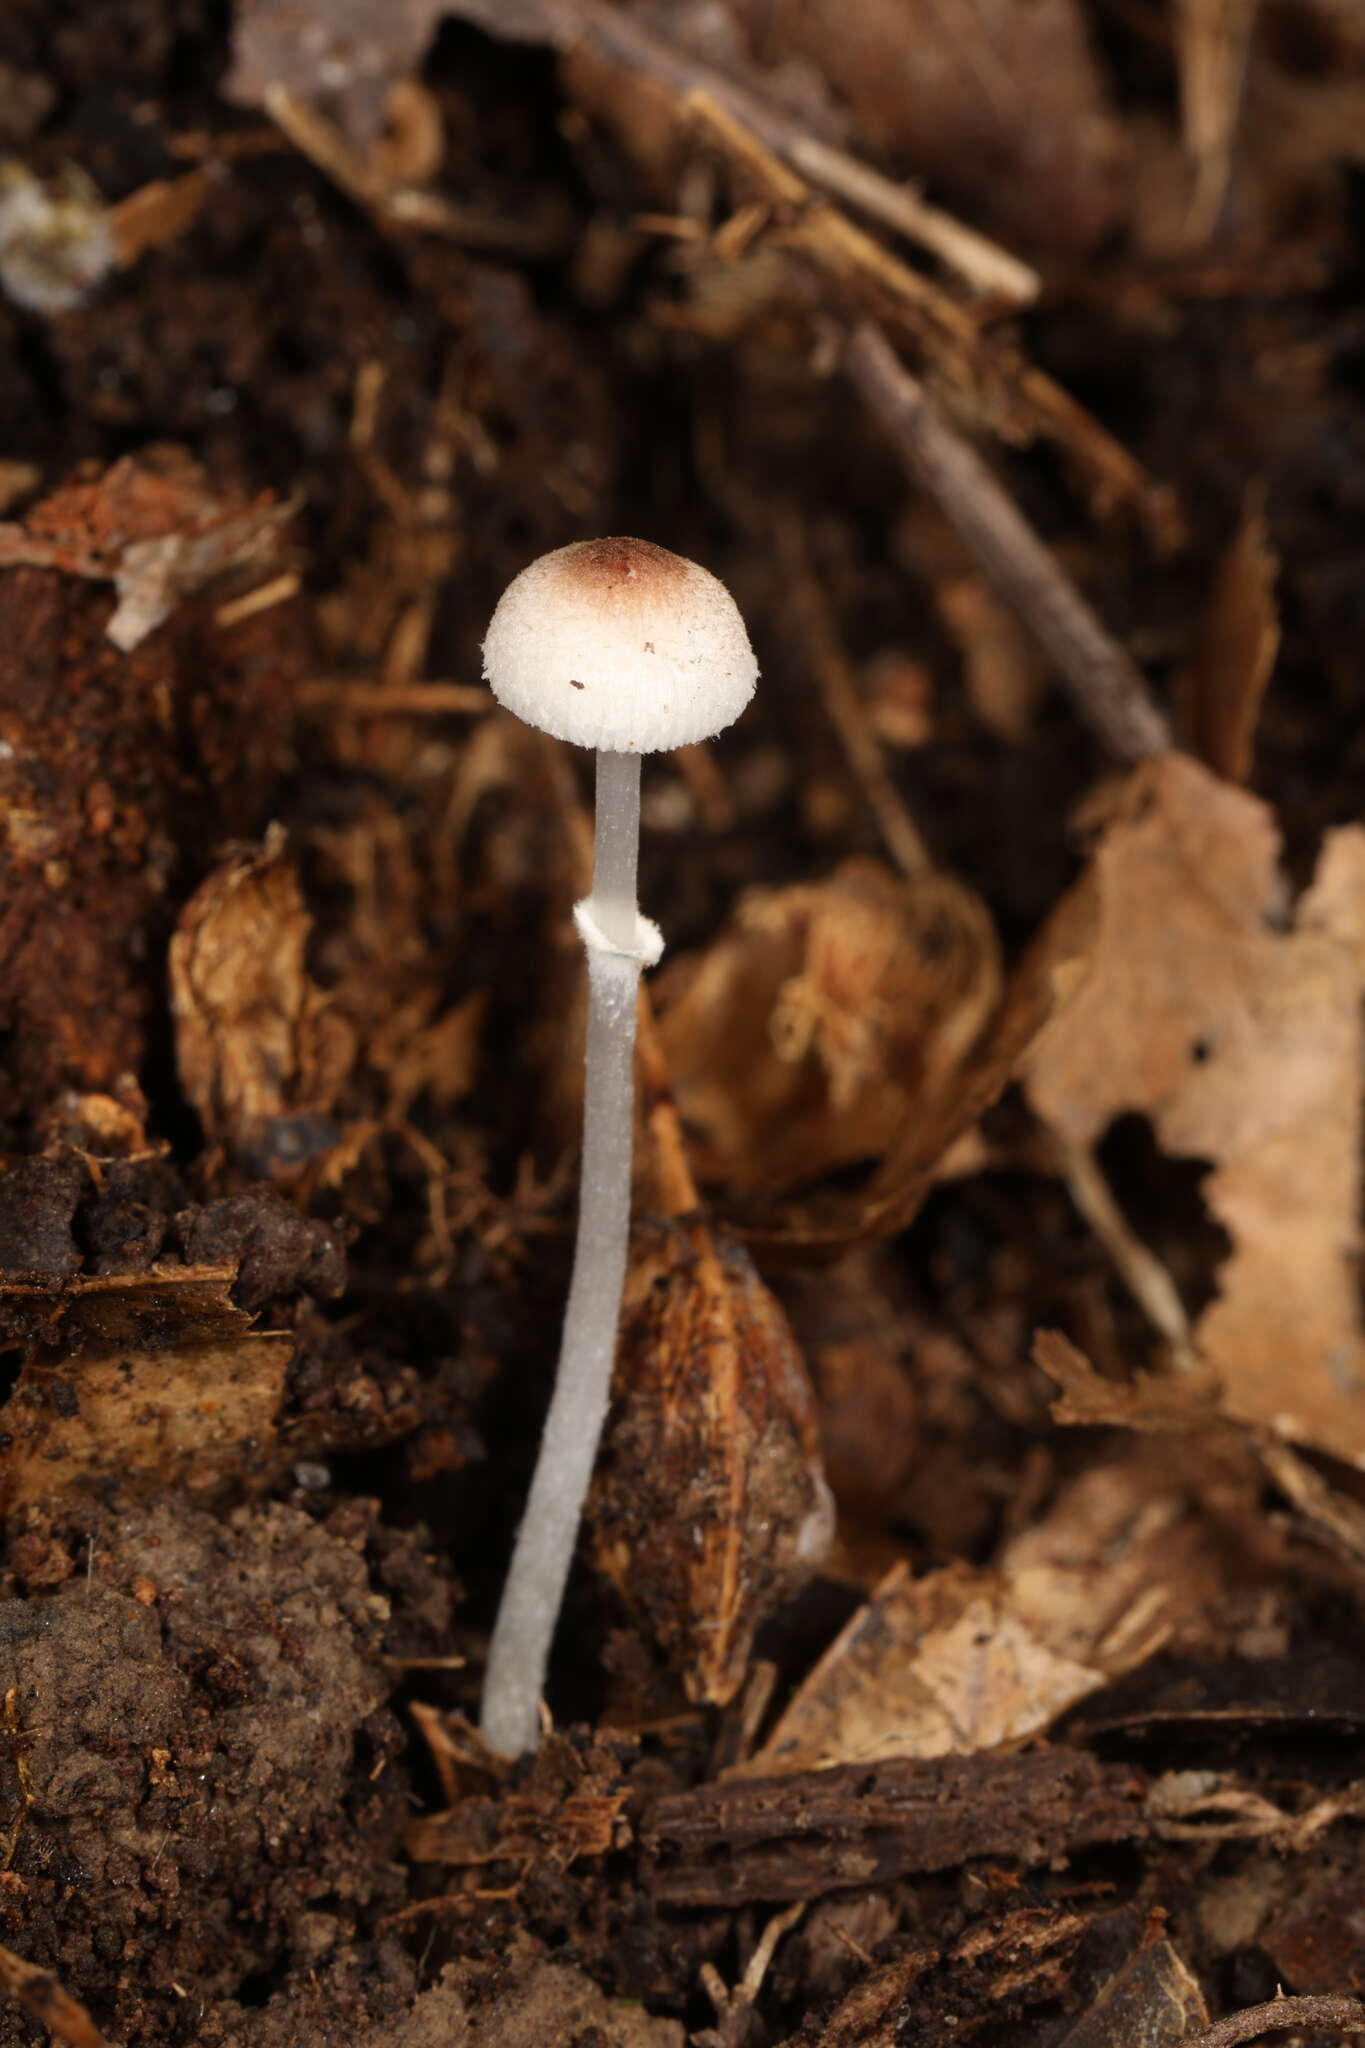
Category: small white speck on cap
[621,645]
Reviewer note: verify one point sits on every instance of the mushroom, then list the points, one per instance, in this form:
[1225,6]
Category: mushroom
[621,646]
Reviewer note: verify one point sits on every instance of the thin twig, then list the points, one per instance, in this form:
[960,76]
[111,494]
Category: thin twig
[623,40]
[277,591]
[829,237]
[1345,2015]
[977,260]
[1003,383]
[1105,683]
[41,1995]
[397,206]
[1146,1279]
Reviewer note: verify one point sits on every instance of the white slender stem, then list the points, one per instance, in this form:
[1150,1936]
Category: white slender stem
[520,1649]
[616,848]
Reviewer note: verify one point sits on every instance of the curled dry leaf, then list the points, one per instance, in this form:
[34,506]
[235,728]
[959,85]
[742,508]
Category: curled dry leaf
[1239,1035]
[920,1150]
[261,1049]
[709,1504]
[799,1041]
[153,529]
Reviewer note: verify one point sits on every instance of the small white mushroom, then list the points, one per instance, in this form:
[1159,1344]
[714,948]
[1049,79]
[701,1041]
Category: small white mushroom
[621,646]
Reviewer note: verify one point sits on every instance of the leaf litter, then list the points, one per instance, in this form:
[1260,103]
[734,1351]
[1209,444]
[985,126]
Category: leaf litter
[1005,1198]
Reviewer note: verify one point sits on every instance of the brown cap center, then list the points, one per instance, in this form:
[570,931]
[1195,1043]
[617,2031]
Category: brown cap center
[607,564]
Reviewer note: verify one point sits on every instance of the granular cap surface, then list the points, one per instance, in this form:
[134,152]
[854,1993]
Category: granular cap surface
[620,644]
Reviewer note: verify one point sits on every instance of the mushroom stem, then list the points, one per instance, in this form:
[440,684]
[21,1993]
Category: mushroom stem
[618,944]
[616,850]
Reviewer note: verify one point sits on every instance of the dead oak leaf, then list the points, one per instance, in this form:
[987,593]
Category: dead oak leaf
[1238,1033]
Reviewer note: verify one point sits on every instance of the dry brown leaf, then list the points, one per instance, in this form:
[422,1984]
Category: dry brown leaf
[262,1051]
[1221,692]
[151,527]
[1145,1550]
[801,1038]
[1175,1403]
[149,1382]
[1240,1038]
[937,1122]
[938,1666]
[1140,1552]
[708,1505]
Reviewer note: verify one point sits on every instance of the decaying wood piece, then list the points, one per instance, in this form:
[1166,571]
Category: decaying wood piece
[150,1380]
[133,736]
[798,1836]
[571,1805]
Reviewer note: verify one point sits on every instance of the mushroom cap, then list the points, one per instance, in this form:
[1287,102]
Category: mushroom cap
[621,645]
